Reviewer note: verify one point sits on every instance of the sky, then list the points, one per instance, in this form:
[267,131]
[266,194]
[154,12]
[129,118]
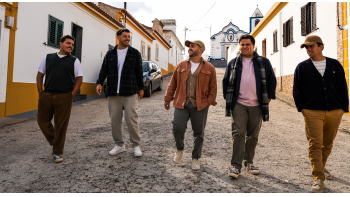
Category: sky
[190,14]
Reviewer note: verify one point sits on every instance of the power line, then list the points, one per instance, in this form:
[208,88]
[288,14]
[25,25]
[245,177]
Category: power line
[204,15]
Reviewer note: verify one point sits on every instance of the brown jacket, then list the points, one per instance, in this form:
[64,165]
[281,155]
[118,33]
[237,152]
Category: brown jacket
[206,88]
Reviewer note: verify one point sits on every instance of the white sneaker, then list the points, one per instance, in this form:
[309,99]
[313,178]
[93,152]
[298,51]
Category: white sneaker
[117,149]
[137,151]
[195,164]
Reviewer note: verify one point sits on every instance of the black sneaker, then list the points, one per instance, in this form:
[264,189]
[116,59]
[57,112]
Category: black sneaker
[252,169]
[234,172]
[57,158]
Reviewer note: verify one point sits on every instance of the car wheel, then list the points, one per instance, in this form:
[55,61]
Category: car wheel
[160,85]
[148,92]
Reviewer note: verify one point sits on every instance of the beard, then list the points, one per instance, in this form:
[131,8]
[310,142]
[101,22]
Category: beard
[194,54]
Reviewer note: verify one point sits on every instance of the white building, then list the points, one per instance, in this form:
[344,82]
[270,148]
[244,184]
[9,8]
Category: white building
[284,28]
[221,41]
[175,53]
[36,31]
[255,19]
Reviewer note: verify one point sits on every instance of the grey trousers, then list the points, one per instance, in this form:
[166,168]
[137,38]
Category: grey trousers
[246,124]
[115,107]
[198,121]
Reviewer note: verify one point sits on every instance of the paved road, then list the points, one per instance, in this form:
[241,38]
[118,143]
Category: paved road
[26,164]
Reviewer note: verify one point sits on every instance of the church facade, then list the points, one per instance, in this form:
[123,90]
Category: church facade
[229,36]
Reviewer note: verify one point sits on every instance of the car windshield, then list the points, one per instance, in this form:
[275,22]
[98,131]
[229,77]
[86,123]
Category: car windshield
[145,66]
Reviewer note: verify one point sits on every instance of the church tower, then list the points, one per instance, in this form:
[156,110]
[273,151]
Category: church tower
[255,19]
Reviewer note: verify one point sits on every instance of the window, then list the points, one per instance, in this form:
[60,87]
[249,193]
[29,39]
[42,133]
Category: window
[288,32]
[55,32]
[257,22]
[231,37]
[275,42]
[157,52]
[171,51]
[143,50]
[263,48]
[148,53]
[308,18]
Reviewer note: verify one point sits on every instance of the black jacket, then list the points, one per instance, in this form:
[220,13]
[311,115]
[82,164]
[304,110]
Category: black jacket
[314,92]
[132,74]
[270,79]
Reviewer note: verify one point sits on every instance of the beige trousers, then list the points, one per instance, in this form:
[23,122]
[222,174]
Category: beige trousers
[321,128]
[115,107]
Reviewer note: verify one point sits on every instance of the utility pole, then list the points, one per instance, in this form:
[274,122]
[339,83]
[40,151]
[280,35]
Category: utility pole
[185,40]
[125,14]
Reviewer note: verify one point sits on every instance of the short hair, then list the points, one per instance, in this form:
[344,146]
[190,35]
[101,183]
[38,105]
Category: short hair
[63,38]
[319,44]
[120,31]
[247,36]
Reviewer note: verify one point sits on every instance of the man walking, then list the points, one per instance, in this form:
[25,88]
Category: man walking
[63,77]
[249,85]
[123,67]
[321,95]
[194,86]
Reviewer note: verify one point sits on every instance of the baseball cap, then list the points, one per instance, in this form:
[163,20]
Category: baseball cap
[311,40]
[197,42]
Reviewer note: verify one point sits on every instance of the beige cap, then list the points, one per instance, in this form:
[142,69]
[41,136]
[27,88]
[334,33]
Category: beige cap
[197,42]
[311,40]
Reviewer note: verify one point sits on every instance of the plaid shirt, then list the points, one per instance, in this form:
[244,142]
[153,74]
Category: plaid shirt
[132,73]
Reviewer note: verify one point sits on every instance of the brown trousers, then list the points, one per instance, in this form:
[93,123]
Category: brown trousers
[321,128]
[58,106]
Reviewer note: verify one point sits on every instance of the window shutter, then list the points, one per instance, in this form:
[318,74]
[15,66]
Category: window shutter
[284,35]
[291,31]
[55,32]
[273,39]
[313,16]
[303,21]
[276,47]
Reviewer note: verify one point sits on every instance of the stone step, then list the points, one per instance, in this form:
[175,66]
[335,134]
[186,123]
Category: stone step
[79,97]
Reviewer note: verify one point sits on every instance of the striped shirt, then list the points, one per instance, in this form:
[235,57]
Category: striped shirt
[320,66]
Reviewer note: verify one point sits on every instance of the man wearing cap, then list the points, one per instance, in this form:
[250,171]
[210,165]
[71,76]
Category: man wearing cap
[320,94]
[249,85]
[194,86]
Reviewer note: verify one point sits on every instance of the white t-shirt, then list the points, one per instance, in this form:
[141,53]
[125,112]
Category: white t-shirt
[320,66]
[194,66]
[121,59]
[78,70]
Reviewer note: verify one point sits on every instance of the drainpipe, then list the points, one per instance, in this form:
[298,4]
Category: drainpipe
[281,54]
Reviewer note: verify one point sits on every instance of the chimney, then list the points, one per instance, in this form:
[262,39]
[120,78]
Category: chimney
[158,25]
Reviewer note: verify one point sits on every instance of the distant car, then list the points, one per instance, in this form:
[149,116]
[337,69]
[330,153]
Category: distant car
[152,78]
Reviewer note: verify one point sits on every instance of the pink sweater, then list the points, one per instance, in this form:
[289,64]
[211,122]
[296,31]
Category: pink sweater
[247,92]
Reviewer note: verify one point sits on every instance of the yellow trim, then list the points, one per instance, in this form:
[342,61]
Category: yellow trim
[275,10]
[11,91]
[164,72]
[88,88]
[154,35]
[344,13]
[2,109]
[97,15]
[140,32]
[171,68]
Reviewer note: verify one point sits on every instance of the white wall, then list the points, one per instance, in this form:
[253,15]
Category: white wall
[32,32]
[4,49]
[162,62]
[136,42]
[172,52]
[293,54]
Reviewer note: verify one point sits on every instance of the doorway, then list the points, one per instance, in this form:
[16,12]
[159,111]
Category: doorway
[149,53]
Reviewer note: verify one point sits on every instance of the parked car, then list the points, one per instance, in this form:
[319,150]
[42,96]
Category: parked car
[152,78]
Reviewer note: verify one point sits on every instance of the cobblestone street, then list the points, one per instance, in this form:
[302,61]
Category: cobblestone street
[282,154]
